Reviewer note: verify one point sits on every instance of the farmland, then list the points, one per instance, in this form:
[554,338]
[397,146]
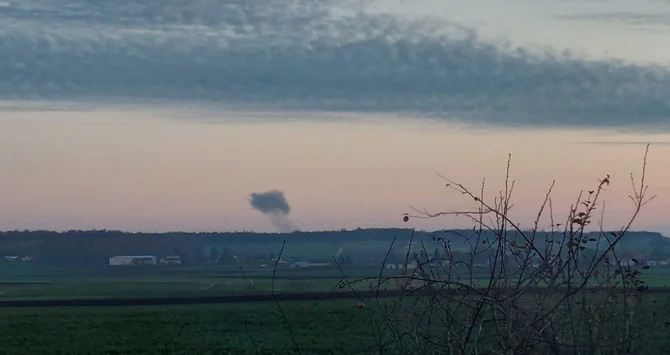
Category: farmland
[330,327]
[319,326]
[215,307]
[139,282]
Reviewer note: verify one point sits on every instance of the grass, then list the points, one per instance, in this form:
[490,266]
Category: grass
[332,327]
[38,283]
[327,327]
[200,282]
[324,327]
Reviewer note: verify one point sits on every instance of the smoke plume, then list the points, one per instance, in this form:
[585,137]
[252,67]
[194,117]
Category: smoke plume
[274,205]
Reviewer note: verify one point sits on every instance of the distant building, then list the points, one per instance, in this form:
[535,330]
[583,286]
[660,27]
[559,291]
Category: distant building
[300,264]
[171,260]
[132,260]
[402,266]
[281,261]
[624,262]
[306,264]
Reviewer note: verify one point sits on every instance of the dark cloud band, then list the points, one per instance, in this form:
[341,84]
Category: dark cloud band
[307,55]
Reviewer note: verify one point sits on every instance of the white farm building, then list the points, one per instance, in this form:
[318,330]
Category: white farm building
[132,260]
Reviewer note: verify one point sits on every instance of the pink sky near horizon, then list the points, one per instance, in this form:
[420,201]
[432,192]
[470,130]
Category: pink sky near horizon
[153,170]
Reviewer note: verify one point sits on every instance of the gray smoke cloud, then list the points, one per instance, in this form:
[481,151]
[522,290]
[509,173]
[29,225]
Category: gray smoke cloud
[274,205]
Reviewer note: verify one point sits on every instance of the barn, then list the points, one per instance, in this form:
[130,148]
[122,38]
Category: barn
[132,260]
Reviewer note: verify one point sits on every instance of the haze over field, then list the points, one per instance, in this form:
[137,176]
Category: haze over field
[167,115]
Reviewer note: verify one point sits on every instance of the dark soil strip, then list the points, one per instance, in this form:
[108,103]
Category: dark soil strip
[109,302]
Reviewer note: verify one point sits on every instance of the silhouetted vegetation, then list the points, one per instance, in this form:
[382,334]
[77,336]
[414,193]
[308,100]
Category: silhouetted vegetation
[563,291]
[356,247]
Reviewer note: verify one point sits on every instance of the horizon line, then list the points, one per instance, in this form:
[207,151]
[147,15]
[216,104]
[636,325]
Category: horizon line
[342,230]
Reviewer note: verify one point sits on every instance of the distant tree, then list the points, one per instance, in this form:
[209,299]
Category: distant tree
[423,256]
[214,255]
[392,257]
[183,255]
[345,260]
[198,255]
[436,254]
[225,255]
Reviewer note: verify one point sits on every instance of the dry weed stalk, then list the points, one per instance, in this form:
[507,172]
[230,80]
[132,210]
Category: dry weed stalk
[541,292]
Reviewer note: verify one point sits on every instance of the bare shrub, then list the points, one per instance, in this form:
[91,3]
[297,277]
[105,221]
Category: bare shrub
[554,291]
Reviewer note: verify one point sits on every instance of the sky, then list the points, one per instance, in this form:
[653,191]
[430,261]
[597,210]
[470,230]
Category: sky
[167,115]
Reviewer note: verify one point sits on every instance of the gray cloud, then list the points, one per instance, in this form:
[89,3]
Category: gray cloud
[274,205]
[631,18]
[41,107]
[309,55]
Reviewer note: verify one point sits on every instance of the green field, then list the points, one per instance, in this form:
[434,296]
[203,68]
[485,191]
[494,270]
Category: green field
[153,282]
[246,328]
[159,287]
[318,326]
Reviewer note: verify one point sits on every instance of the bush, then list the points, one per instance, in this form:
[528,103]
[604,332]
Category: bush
[565,290]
